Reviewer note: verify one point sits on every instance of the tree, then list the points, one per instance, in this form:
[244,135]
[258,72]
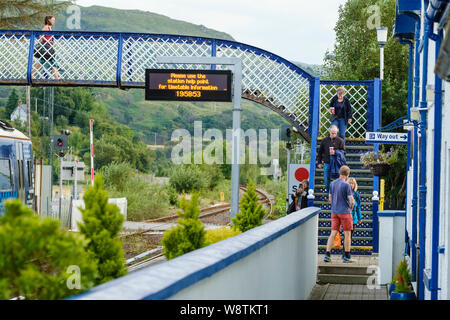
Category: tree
[251,213]
[28,13]
[357,52]
[12,103]
[189,234]
[357,57]
[101,225]
[39,259]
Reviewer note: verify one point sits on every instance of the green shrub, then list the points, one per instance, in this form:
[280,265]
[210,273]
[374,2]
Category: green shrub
[251,213]
[102,222]
[188,234]
[188,178]
[116,175]
[280,206]
[173,196]
[144,201]
[216,235]
[38,259]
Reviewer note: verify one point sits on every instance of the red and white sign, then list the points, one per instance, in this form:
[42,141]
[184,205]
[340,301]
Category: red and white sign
[297,173]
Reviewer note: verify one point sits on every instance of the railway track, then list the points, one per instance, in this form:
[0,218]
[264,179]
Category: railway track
[204,212]
[207,212]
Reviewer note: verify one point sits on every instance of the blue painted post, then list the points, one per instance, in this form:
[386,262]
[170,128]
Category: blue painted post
[415,156]
[213,52]
[376,125]
[436,177]
[423,161]
[119,61]
[30,59]
[314,133]
[410,97]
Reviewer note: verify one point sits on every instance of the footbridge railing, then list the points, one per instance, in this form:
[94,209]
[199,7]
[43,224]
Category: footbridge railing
[120,59]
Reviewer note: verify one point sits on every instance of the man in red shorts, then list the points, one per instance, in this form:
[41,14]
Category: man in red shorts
[342,202]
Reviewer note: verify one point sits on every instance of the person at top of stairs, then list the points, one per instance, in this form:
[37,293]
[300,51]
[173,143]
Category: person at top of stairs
[327,147]
[341,111]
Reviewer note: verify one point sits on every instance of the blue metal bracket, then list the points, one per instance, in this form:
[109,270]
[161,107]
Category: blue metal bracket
[427,280]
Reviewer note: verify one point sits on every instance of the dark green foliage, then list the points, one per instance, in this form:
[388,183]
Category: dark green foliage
[173,196]
[28,13]
[12,103]
[189,234]
[101,225]
[251,212]
[35,256]
[187,177]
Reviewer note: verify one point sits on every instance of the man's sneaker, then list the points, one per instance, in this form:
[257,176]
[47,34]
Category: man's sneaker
[326,258]
[347,260]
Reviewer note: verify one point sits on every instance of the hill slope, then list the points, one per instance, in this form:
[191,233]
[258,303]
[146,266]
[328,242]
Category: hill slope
[97,18]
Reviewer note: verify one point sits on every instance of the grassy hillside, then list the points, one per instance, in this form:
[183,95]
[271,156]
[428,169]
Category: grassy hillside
[163,117]
[97,18]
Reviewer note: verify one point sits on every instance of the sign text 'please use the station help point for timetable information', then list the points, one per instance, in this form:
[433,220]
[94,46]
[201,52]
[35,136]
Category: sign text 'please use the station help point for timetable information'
[187,85]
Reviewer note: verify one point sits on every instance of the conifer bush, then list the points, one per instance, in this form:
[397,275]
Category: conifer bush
[101,225]
[39,259]
[216,235]
[251,213]
[189,234]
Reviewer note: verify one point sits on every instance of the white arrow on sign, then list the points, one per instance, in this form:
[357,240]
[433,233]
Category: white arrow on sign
[387,137]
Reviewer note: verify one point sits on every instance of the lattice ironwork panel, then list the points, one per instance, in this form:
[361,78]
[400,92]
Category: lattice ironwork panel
[358,100]
[13,57]
[139,53]
[266,78]
[85,58]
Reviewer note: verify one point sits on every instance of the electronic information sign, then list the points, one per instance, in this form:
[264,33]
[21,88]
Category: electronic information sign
[187,85]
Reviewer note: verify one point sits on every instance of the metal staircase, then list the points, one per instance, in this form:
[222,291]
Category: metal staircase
[362,237]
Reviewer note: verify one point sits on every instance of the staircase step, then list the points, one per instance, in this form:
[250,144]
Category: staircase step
[318,202]
[342,269]
[342,278]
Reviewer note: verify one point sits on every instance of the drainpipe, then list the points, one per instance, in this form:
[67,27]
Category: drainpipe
[408,152]
[423,159]
[436,174]
[415,155]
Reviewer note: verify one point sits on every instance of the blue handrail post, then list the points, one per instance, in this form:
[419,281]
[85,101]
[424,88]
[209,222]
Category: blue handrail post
[314,133]
[119,61]
[375,240]
[376,124]
[30,59]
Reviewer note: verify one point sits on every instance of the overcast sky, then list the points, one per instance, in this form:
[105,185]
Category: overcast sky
[298,30]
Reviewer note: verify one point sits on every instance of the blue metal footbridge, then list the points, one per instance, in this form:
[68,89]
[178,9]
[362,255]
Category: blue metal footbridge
[99,59]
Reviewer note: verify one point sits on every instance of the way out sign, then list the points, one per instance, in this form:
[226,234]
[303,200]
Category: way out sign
[387,137]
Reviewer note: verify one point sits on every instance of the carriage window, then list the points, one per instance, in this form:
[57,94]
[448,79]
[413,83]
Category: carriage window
[30,174]
[5,174]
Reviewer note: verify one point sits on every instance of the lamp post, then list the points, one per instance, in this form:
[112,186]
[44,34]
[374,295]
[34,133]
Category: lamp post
[382,39]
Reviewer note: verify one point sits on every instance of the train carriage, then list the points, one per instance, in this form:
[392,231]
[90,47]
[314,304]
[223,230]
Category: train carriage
[16,165]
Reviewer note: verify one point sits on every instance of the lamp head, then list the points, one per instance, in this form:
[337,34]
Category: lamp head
[382,35]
